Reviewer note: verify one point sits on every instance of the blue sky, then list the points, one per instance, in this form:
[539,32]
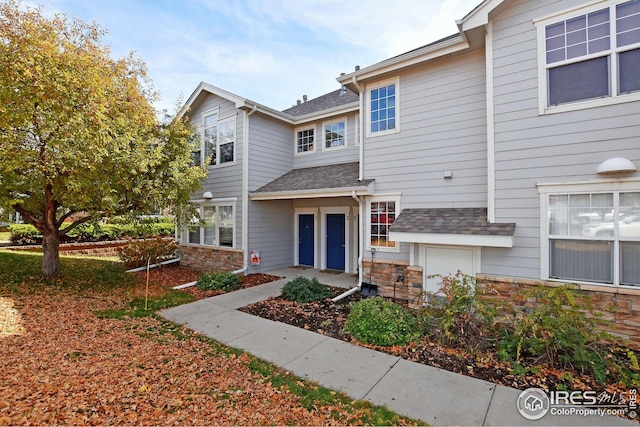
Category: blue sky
[270,51]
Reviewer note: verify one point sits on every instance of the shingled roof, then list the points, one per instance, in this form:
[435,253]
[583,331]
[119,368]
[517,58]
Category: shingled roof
[340,176]
[332,99]
[471,221]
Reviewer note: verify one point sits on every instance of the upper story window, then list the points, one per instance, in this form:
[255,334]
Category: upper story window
[335,135]
[592,56]
[218,139]
[383,107]
[305,140]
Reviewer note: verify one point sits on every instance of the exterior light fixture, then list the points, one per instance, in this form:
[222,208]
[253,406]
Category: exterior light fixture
[207,195]
[616,165]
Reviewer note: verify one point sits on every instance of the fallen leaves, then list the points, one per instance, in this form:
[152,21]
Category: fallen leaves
[70,367]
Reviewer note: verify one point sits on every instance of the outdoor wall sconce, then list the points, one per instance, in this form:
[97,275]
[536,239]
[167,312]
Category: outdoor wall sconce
[616,165]
[207,195]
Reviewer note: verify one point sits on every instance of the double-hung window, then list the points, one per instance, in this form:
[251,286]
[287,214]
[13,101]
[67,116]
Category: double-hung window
[335,134]
[592,55]
[594,237]
[218,138]
[305,140]
[214,228]
[383,107]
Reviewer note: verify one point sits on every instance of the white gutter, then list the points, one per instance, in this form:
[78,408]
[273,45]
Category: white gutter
[354,80]
[245,189]
[491,139]
[361,248]
[171,261]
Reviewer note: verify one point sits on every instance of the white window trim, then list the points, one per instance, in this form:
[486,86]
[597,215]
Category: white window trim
[376,85]
[295,139]
[614,98]
[582,187]
[381,198]
[226,202]
[221,120]
[211,112]
[324,134]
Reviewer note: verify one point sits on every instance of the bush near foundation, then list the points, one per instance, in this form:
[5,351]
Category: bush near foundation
[219,280]
[377,321]
[305,290]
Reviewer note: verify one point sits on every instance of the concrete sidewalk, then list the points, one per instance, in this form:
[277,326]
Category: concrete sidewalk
[435,396]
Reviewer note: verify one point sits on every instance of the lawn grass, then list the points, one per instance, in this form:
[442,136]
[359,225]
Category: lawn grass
[20,274]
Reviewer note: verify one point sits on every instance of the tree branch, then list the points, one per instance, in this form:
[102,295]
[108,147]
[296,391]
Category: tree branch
[29,217]
[73,225]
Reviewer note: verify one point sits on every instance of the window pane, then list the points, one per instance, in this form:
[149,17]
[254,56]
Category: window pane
[629,223]
[210,226]
[629,265]
[383,108]
[226,225]
[559,215]
[583,260]
[582,80]
[591,214]
[628,22]
[629,71]
[226,153]
[305,141]
[194,235]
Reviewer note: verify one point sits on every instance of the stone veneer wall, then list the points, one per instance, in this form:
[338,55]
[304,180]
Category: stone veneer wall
[619,306]
[384,274]
[208,258]
[108,248]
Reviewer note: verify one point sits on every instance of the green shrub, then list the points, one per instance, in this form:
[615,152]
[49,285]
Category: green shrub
[24,234]
[139,253]
[304,290]
[220,280]
[456,315]
[564,331]
[377,321]
[28,234]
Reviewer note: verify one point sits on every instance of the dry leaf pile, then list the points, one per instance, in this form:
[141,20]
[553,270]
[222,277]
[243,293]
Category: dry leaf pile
[61,364]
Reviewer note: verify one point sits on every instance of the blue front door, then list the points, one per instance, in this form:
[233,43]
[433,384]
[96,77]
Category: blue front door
[305,240]
[335,241]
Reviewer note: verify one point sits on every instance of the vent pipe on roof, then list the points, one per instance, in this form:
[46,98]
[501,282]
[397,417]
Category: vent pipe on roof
[298,102]
[304,98]
[357,68]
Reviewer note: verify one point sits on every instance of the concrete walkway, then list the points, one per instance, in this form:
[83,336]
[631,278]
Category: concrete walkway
[435,396]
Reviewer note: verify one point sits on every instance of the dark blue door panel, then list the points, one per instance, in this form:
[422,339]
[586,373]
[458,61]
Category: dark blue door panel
[335,241]
[305,240]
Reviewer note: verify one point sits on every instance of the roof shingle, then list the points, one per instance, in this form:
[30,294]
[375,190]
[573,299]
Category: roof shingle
[470,221]
[329,100]
[343,175]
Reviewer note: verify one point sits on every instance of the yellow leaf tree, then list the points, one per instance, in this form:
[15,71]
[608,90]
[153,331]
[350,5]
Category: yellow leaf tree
[79,138]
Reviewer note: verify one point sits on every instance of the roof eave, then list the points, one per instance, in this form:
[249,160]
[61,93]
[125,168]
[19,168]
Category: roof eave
[311,194]
[427,53]
[334,111]
[240,102]
[453,239]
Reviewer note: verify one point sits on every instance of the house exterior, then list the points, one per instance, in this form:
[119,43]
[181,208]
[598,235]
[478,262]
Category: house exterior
[507,151]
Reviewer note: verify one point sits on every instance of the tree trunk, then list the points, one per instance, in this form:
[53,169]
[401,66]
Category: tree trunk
[51,254]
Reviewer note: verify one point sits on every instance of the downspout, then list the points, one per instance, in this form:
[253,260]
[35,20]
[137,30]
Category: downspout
[360,250]
[245,190]
[491,137]
[361,120]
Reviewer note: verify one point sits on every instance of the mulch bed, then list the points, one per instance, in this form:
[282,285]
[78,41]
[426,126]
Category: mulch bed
[328,318]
